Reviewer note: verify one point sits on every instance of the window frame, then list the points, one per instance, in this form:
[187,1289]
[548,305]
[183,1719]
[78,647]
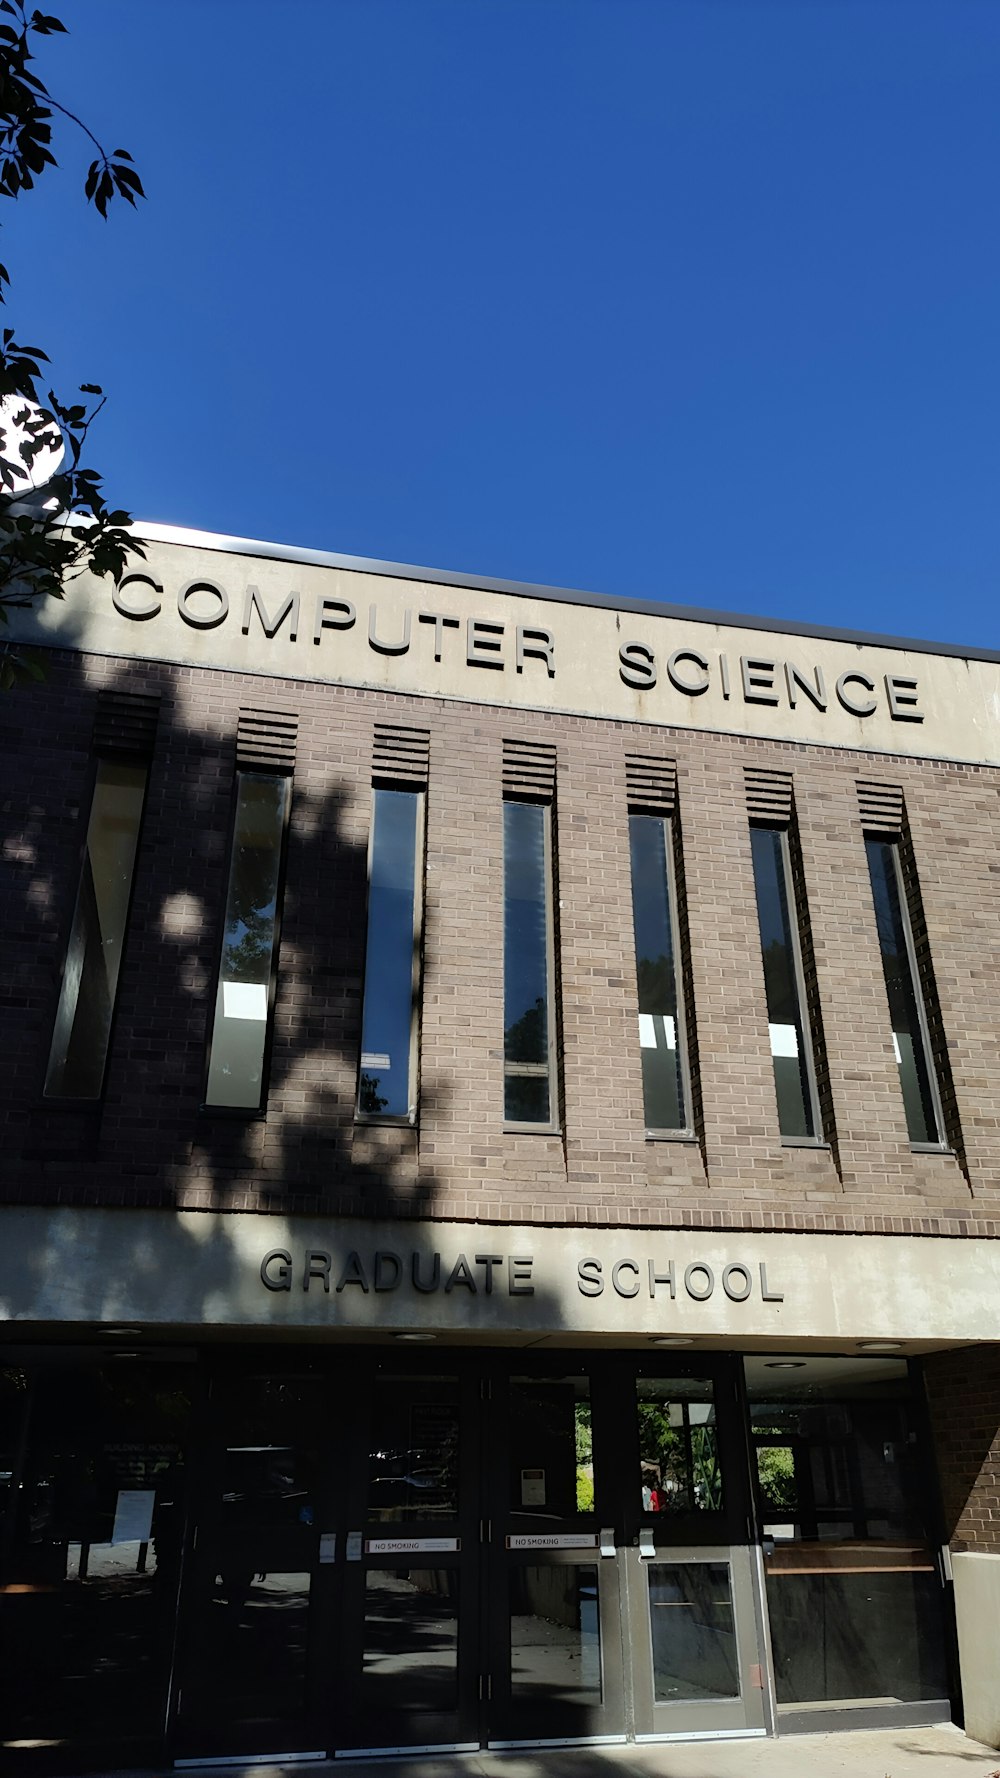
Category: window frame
[549,1069]
[894,842]
[685,1131]
[411,1117]
[57,1102]
[249,1113]
[818,1139]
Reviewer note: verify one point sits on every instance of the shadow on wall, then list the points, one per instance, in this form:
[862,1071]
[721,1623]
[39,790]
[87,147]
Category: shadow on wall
[149,1142]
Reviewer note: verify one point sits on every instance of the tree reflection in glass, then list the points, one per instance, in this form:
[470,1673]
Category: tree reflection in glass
[239,1034]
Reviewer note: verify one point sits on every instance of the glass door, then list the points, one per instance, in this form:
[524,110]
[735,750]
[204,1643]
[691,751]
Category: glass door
[555,1662]
[693,1631]
[92,1503]
[411,1608]
[249,1633]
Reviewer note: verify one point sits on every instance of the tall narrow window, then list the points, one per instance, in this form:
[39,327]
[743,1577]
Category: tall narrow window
[245,992]
[907,1013]
[528,971]
[657,962]
[387,1082]
[780,920]
[79,1051]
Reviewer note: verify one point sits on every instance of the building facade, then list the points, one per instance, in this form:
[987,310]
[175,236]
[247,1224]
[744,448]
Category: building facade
[500,1196]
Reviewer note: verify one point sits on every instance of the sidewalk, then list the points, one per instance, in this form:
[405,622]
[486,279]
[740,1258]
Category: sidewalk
[880,1753]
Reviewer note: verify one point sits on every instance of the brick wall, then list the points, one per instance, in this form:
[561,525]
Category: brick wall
[963,1390]
[149,1143]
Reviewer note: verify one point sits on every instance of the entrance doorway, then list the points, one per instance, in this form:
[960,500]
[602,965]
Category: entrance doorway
[469,1550]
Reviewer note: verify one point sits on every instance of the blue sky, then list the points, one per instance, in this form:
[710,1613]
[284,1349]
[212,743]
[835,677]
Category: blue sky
[690,300]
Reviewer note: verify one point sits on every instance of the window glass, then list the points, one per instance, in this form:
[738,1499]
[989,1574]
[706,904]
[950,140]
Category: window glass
[660,1018]
[789,1032]
[528,1096]
[693,1631]
[679,1467]
[853,1596]
[904,1007]
[239,1033]
[413,1462]
[555,1635]
[93,960]
[551,1447]
[387,1079]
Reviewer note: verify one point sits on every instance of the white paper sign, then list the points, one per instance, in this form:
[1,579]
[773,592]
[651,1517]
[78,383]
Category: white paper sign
[532,1487]
[328,1546]
[134,1515]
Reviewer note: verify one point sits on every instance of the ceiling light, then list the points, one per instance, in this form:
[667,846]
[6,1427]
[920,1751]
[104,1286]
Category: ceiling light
[120,1333]
[671,1340]
[415,1337]
[880,1345]
[784,1364]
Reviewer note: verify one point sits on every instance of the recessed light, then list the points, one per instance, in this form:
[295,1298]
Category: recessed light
[120,1333]
[671,1340]
[415,1338]
[785,1364]
[880,1345]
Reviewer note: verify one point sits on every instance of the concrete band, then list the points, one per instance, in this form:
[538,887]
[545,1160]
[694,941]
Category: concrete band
[266,1274]
[259,615]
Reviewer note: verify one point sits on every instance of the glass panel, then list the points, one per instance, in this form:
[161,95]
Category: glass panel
[239,1033]
[693,1631]
[789,1034]
[656,969]
[387,1079]
[257,1634]
[555,1634]
[93,959]
[413,1465]
[853,1596]
[527,1012]
[272,1426]
[551,1447]
[411,1639]
[678,1445]
[907,1036]
[92,1553]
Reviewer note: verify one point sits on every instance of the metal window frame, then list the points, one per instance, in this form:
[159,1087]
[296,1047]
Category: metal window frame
[409,1118]
[684,1131]
[71,1101]
[818,1138]
[939,1144]
[549,1069]
[244,1113]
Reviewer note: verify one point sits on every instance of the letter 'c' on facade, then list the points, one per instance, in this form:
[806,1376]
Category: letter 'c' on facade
[133,609]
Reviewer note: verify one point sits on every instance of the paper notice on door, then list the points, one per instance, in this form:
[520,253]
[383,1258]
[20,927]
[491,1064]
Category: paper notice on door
[134,1515]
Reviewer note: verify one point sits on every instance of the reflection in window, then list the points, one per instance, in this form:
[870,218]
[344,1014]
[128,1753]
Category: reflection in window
[661,1017]
[678,1445]
[256,1645]
[791,1040]
[551,1447]
[906,1011]
[693,1631]
[271,1455]
[93,960]
[413,1464]
[411,1639]
[387,1083]
[529,1042]
[242,1002]
[555,1635]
